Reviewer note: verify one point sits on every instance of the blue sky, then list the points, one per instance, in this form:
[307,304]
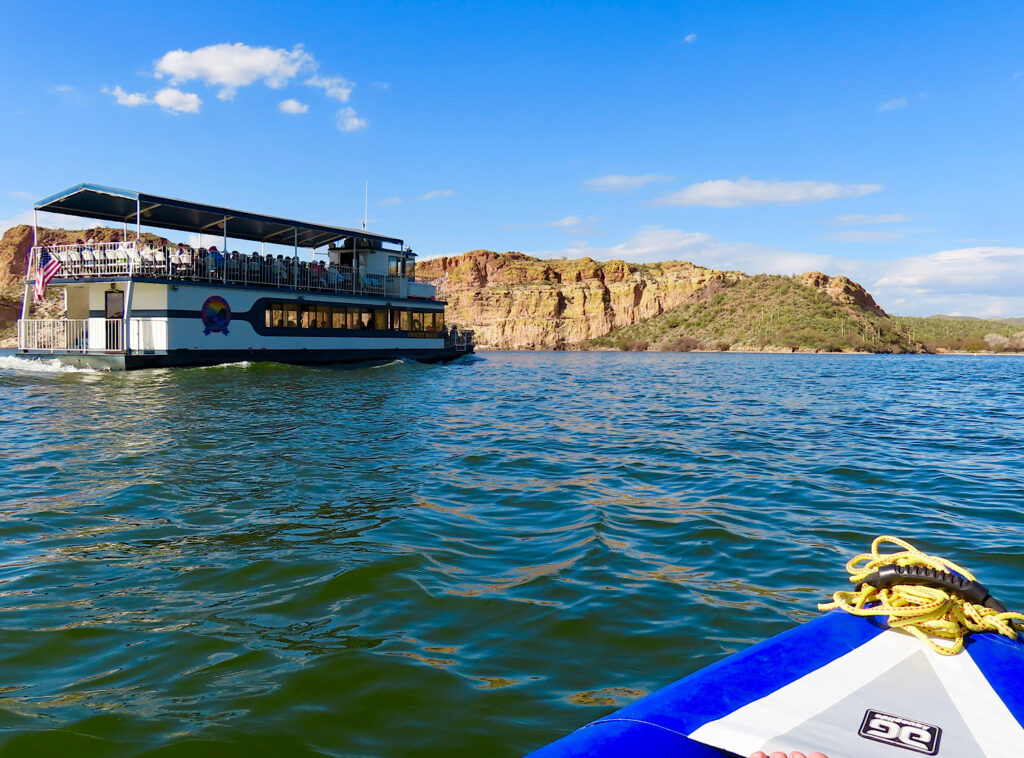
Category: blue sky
[878,140]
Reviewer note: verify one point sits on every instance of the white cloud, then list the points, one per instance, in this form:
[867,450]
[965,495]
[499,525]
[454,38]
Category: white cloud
[892,105]
[391,201]
[566,222]
[976,270]
[60,89]
[868,235]
[436,193]
[725,193]
[175,101]
[622,182]
[381,85]
[689,38]
[130,100]
[291,105]
[348,121]
[336,87]
[858,219]
[21,194]
[230,66]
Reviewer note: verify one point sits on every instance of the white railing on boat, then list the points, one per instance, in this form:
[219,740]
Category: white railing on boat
[126,259]
[95,335]
[71,335]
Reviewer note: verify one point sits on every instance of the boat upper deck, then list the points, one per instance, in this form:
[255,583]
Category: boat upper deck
[119,260]
[362,264]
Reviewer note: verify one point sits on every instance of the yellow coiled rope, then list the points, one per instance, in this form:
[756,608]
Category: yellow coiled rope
[929,613]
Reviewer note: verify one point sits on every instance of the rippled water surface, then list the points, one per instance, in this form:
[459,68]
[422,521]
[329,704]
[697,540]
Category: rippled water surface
[469,559]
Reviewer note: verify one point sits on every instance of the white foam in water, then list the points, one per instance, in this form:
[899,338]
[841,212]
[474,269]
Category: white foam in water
[40,366]
[236,364]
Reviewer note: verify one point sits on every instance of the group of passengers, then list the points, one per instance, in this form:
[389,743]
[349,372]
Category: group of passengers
[188,262]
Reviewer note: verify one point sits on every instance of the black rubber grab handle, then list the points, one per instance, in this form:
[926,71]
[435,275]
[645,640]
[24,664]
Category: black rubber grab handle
[971,591]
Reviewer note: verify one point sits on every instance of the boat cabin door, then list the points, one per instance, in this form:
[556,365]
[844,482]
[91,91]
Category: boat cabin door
[114,301]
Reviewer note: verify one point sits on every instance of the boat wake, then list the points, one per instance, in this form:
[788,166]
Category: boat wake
[40,366]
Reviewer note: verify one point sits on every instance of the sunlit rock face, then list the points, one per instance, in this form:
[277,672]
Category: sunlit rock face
[517,302]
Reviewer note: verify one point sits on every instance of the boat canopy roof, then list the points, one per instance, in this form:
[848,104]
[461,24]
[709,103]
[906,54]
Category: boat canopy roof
[113,204]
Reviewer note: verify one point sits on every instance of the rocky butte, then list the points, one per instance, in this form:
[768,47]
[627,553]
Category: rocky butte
[518,302]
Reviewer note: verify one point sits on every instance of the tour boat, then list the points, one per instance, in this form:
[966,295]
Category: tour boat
[131,305]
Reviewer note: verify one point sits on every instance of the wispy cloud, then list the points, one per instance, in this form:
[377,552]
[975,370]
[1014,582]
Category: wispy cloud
[725,193]
[348,121]
[335,87]
[575,225]
[857,219]
[60,89]
[623,182]
[892,105]
[291,105]
[565,222]
[391,201]
[380,85]
[868,235]
[22,195]
[230,66]
[170,99]
[690,38]
[435,194]
[130,100]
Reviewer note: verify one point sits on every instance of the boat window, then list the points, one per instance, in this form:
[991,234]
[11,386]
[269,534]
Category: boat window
[308,316]
[380,319]
[394,265]
[366,319]
[338,318]
[291,314]
[396,320]
[275,314]
[323,317]
[417,321]
[406,322]
[439,320]
[410,267]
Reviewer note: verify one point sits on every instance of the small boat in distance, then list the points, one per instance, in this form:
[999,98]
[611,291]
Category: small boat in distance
[131,305]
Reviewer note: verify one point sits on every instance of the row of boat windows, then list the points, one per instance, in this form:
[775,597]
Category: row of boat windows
[294,315]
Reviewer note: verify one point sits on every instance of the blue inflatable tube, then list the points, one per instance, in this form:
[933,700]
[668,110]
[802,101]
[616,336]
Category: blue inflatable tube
[841,685]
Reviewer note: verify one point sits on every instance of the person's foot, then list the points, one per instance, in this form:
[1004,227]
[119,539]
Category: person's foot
[794,754]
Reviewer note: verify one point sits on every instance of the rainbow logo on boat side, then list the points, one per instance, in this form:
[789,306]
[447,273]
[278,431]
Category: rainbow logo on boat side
[216,315]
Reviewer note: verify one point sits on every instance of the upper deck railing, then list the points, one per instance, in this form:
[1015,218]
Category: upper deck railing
[127,259]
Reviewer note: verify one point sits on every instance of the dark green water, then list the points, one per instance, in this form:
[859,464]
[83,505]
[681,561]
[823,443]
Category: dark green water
[457,560]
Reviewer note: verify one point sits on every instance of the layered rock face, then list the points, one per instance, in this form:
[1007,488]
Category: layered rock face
[842,290]
[517,302]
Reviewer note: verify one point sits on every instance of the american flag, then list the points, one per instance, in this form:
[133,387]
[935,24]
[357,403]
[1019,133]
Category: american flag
[48,268]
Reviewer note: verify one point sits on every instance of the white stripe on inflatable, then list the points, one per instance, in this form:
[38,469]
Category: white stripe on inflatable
[747,729]
[993,726]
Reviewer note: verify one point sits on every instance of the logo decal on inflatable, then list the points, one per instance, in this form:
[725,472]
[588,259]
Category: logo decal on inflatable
[216,315]
[900,732]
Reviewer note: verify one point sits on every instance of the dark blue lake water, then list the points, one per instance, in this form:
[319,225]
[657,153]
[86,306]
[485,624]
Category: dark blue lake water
[469,559]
